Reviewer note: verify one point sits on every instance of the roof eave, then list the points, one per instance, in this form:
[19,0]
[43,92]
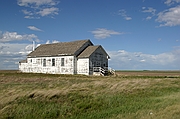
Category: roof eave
[51,55]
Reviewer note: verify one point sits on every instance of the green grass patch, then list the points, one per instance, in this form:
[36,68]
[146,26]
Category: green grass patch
[27,96]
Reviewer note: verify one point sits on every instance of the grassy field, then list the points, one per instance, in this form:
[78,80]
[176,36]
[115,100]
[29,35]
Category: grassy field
[127,95]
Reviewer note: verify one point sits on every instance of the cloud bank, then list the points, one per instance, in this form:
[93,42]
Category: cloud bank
[171,2]
[14,36]
[169,17]
[11,54]
[124,60]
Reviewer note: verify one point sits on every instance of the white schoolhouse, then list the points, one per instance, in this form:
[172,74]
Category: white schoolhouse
[75,57]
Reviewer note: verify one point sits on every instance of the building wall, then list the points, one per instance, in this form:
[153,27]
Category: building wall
[51,65]
[97,59]
[83,66]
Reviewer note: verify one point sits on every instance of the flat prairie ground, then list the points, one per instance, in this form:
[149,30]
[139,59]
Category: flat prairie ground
[149,73]
[125,95]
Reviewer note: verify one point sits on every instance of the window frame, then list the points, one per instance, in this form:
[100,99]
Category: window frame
[53,62]
[62,62]
[44,62]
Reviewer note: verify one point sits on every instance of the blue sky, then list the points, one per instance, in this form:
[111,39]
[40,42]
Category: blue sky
[137,34]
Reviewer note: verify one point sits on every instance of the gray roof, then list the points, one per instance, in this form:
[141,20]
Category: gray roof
[90,50]
[63,48]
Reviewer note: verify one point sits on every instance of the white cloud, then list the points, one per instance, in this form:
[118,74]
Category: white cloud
[139,61]
[14,48]
[34,28]
[168,2]
[48,11]
[102,33]
[127,18]
[148,18]
[48,42]
[14,36]
[169,17]
[171,2]
[31,17]
[39,8]
[123,14]
[29,47]
[11,54]
[37,2]
[27,12]
[53,41]
[149,10]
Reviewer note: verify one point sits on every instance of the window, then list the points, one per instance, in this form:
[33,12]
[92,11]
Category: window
[53,62]
[34,61]
[94,64]
[62,61]
[98,64]
[44,62]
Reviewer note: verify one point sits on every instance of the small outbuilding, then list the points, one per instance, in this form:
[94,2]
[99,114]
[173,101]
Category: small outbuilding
[75,57]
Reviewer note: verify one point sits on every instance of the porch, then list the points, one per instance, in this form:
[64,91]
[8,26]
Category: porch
[102,71]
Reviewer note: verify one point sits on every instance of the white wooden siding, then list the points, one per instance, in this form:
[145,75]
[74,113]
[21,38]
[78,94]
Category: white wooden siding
[83,66]
[35,65]
[97,59]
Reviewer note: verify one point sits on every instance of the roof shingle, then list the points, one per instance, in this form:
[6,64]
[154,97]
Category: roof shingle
[63,48]
[88,51]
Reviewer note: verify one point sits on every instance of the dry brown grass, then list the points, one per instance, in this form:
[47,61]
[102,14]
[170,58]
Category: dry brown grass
[14,86]
[64,85]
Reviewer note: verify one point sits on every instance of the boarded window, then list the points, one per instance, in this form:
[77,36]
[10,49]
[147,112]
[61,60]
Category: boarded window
[53,62]
[44,62]
[62,61]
